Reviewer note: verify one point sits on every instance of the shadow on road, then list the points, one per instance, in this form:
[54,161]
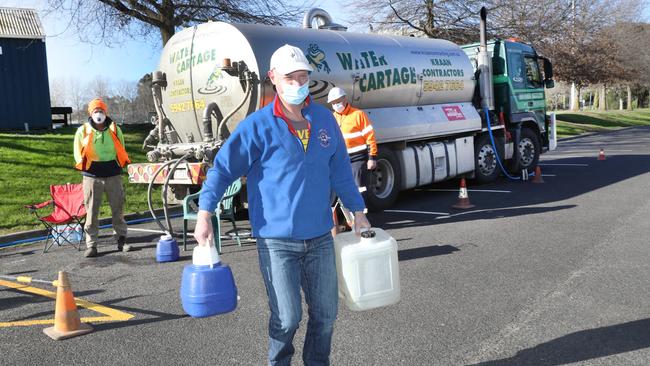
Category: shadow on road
[153,316]
[424,252]
[583,345]
[524,198]
[28,299]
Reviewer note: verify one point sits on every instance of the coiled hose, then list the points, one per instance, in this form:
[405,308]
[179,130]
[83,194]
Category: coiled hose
[176,163]
[496,151]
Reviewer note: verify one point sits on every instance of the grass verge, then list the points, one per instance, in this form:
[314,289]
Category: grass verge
[577,123]
[30,163]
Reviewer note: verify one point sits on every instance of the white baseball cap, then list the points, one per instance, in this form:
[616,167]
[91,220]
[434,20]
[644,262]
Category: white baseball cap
[334,94]
[288,59]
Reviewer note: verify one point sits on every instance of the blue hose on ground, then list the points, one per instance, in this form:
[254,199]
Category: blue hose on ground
[31,240]
[496,151]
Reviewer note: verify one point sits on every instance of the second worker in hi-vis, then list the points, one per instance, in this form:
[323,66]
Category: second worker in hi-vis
[359,138]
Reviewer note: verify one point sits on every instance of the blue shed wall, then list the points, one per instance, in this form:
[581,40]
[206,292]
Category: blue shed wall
[24,87]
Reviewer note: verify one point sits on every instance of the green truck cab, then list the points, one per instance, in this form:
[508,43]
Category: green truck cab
[519,77]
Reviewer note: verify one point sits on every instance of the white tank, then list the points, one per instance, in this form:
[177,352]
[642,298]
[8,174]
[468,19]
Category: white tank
[377,72]
[368,271]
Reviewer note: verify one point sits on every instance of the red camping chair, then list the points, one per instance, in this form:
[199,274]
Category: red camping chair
[65,223]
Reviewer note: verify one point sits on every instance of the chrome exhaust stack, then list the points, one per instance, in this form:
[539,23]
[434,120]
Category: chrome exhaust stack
[485,66]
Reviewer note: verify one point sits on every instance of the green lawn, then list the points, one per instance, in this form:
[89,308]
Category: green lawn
[29,163]
[576,123]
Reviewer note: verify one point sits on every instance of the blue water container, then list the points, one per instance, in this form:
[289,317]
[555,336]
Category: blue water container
[167,249]
[207,289]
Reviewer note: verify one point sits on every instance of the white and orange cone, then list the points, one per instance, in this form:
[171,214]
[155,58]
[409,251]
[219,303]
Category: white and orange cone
[335,229]
[538,175]
[463,197]
[67,323]
[601,155]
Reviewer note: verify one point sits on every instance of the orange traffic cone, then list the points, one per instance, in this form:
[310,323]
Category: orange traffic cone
[538,175]
[66,317]
[601,155]
[463,198]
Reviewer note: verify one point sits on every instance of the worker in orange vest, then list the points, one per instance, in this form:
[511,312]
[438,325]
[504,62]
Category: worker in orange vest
[100,155]
[359,138]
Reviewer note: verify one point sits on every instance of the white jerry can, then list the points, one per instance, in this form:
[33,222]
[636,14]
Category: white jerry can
[367,269]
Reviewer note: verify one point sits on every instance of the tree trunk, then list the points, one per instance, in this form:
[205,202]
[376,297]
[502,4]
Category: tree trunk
[166,33]
[595,104]
[602,106]
[629,98]
[574,103]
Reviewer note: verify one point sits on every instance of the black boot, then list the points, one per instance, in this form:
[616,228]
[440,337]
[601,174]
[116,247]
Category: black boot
[121,244]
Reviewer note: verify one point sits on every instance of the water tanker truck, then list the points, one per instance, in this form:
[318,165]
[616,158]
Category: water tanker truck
[439,110]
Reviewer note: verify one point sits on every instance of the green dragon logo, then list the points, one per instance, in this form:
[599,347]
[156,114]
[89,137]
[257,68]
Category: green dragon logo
[316,58]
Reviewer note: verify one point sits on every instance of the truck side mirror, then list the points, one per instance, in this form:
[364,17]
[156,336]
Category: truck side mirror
[498,66]
[549,83]
[498,62]
[548,68]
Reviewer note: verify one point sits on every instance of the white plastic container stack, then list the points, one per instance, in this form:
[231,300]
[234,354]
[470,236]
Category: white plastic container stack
[368,271]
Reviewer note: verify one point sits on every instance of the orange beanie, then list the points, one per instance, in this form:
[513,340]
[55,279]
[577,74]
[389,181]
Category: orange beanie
[97,103]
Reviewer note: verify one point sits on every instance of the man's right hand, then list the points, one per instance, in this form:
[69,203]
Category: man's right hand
[203,231]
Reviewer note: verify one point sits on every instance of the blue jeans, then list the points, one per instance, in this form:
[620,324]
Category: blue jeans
[286,266]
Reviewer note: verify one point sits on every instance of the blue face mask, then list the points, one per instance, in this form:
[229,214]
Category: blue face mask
[295,94]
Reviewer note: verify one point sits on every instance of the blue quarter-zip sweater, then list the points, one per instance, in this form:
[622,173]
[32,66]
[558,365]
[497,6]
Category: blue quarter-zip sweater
[288,187]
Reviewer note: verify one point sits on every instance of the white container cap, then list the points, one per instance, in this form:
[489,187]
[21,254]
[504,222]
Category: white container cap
[166,237]
[205,256]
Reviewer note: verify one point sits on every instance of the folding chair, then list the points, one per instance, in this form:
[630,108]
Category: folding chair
[68,215]
[225,209]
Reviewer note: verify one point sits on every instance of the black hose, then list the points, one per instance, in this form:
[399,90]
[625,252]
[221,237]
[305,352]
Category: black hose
[153,179]
[164,191]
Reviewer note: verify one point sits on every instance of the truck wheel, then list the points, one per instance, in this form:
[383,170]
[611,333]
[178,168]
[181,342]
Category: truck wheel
[529,151]
[383,183]
[485,160]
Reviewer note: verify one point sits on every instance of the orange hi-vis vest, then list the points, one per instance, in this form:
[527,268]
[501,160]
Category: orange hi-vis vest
[88,154]
[357,131]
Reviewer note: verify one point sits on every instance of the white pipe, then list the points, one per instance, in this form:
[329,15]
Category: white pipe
[323,17]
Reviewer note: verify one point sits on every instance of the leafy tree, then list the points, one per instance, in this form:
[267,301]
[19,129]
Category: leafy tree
[454,20]
[107,20]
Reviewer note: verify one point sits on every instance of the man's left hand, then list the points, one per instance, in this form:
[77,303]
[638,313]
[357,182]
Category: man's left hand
[372,164]
[360,222]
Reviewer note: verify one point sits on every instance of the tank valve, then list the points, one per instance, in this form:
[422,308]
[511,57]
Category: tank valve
[154,156]
[159,78]
[228,66]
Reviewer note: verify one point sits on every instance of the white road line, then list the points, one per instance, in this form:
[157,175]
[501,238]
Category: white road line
[548,175]
[469,190]
[419,212]
[483,210]
[596,151]
[147,230]
[558,164]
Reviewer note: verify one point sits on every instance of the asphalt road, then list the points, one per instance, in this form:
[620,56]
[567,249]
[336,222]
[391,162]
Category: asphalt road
[536,274]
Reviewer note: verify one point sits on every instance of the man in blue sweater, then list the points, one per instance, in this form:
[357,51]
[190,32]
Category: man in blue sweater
[293,154]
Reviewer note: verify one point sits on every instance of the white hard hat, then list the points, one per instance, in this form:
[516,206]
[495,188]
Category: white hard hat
[288,59]
[334,94]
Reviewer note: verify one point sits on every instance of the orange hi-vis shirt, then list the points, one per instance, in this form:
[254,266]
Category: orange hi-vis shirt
[357,131]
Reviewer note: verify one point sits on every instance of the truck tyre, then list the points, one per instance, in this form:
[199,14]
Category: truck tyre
[383,183]
[485,160]
[529,151]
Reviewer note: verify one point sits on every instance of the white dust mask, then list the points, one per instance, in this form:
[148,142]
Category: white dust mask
[99,117]
[338,107]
